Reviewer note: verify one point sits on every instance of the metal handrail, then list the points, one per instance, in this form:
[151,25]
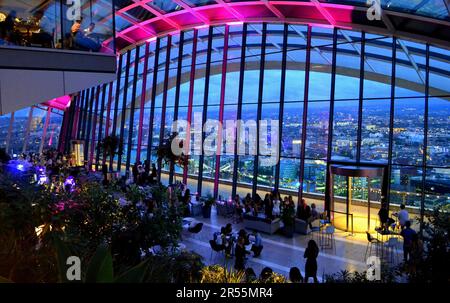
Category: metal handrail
[345,213]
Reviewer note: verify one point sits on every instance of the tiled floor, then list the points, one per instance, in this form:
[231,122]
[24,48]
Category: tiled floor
[281,253]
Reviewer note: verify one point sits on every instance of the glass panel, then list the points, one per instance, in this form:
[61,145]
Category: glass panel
[289,169]
[406,184]
[345,128]
[437,188]
[317,130]
[438,153]
[314,176]
[408,131]
[375,130]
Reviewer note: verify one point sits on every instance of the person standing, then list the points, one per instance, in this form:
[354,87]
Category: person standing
[153,174]
[311,254]
[240,253]
[408,235]
[403,216]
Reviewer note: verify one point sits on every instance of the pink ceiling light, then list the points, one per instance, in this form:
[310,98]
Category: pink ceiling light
[237,23]
[232,14]
[60,103]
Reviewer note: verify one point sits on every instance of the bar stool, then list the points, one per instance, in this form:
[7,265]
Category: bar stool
[391,246]
[370,242]
[328,238]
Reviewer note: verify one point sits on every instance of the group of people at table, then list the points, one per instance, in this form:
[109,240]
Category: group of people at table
[411,242]
[272,206]
[241,244]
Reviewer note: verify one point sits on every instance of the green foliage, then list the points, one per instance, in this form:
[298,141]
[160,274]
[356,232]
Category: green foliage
[159,194]
[209,201]
[135,194]
[110,146]
[100,268]
[179,268]
[220,274]
[434,265]
[166,154]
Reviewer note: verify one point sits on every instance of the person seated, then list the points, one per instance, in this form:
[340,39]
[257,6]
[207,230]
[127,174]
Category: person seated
[220,241]
[295,276]
[303,211]
[276,205]
[257,246]
[81,40]
[44,36]
[314,215]
[254,209]
[89,30]
[228,229]
[8,29]
[291,201]
[257,201]
[243,234]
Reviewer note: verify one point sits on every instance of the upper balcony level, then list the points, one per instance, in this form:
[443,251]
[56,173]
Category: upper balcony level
[54,48]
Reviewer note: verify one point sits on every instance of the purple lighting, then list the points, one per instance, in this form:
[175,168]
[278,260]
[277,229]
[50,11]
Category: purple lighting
[69,184]
[42,180]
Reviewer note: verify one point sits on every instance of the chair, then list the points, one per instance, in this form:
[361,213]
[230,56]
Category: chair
[315,228]
[371,241]
[328,238]
[196,229]
[216,248]
[391,246]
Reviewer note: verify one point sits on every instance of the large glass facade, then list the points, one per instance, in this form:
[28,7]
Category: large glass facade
[351,97]
[30,130]
[84,25]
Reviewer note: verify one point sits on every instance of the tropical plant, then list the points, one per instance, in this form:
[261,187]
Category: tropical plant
[388,275]
[166,154]
[276,278]
[209,201]
[433,266]
[110,146]
[220,274]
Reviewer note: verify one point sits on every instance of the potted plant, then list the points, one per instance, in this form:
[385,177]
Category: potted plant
[288,219]
[206,207]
